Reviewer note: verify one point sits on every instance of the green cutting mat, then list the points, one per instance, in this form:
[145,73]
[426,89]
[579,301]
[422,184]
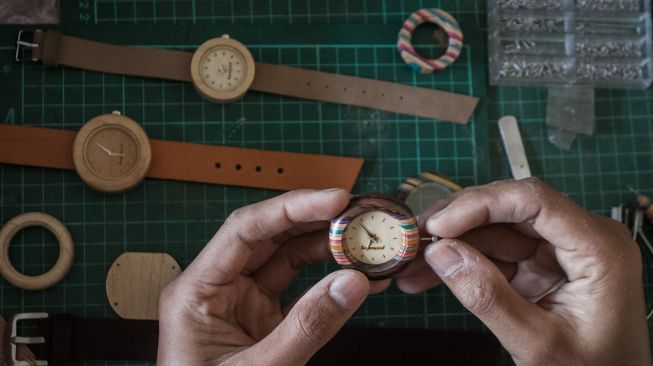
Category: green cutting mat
[352,37]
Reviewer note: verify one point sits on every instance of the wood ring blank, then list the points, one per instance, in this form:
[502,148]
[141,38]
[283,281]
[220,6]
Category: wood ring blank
[60,268]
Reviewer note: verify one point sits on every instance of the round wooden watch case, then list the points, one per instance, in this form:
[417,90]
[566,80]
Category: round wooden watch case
[112,153]
[222,69]
[392,213]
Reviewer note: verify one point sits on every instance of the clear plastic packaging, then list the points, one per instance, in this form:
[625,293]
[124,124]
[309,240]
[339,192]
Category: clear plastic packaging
[600,43]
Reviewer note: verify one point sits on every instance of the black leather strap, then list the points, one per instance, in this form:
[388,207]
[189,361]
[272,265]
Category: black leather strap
[69,339]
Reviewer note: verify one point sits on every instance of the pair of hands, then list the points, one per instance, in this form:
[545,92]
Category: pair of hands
[503,243]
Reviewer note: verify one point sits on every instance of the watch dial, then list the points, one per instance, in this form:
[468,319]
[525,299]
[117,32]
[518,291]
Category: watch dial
[373,237]
[112,152]
[223,68]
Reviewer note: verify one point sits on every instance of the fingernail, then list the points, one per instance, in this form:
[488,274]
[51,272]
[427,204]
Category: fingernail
[432,221]
[331,190]
[348,290]
[444,259]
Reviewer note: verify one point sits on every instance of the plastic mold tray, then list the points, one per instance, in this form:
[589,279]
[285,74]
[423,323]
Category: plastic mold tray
[599,43]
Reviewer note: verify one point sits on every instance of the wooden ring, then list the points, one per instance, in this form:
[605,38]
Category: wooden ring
[60,268]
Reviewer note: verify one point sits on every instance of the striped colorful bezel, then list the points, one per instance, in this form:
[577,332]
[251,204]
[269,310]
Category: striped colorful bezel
[409,238]
[447,23]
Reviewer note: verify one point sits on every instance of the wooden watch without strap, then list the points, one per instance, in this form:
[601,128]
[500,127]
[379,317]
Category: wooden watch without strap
[113,153]
[223,70]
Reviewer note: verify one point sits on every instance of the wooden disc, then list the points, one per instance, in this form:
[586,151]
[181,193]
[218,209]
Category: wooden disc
[112,153]
[222,69]
[135,281]
[60,268]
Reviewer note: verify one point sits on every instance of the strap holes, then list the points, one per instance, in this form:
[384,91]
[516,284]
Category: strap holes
[326,86]
[344,89]
[401,97]
[383,94]
[115,304]
[258,169]
[218,165]
[308,83]
[364,92]
[280,171]
[238,167]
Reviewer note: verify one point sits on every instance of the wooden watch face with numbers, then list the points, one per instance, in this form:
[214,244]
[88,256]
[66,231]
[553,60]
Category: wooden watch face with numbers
[376,235]
[222,69]
[111,153]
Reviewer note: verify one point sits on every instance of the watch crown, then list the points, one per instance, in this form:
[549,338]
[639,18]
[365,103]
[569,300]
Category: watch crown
[117,113]
[225,36]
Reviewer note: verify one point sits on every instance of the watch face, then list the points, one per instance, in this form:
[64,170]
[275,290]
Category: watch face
[223,68]
[112,152]
[376,235]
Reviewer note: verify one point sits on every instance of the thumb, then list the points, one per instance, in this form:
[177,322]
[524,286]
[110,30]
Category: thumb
[314,320]
[481,288]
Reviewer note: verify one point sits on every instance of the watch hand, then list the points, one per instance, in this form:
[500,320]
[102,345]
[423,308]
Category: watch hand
[121,155]
[229,71]
[109,152]
[372,236]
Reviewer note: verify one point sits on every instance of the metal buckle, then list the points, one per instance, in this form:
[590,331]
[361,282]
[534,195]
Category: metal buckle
[20,43]
[15,340]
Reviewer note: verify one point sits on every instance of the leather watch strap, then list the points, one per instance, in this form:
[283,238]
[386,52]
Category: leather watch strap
[55,48]
[369,93]
[71,339]
[51,148]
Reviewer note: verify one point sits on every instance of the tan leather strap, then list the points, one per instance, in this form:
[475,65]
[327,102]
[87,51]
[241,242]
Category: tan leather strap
[51,148]
[58,49]
[375,94]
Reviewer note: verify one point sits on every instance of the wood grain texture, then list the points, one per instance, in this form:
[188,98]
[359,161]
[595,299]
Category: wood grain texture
[62,265]
[135,281]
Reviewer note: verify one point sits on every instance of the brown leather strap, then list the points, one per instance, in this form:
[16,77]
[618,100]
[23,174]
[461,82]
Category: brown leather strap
[58,49]
[375,94]
[51,148]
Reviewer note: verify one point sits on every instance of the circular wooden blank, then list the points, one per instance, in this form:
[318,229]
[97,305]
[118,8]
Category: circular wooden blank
[217,95]
[60,268]
[135,281]
[81,153]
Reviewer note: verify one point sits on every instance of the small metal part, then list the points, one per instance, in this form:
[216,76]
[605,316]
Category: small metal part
[646,241]
[514,146]
[531,4]
[15,340]
[608,5]
[637,223]
[21,43]
[617,213]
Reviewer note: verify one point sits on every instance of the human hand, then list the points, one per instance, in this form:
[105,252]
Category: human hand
[511,241]
[225,308]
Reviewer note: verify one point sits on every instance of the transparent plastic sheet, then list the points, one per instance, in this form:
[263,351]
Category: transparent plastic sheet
[29,11]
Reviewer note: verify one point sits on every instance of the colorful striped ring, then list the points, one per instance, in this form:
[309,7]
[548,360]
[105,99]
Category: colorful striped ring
[447,23]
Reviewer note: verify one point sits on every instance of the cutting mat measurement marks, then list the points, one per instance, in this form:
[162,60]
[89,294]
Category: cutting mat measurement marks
[266,11]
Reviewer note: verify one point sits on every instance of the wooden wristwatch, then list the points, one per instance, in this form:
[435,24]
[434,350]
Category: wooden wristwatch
[112,153]
[223,70]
